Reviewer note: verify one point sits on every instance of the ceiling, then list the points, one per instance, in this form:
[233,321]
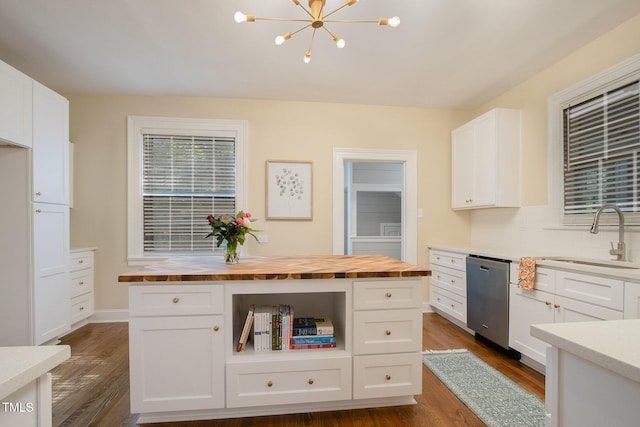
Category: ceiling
[445,53]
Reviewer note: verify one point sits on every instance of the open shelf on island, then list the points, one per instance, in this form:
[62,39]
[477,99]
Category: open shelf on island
[331,305]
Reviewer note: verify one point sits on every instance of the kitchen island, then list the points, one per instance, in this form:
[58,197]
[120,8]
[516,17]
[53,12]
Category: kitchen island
[186,316]
[593,372]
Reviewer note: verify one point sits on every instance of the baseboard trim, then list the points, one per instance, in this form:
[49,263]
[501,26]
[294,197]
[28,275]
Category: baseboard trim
[426,307]
[109,316]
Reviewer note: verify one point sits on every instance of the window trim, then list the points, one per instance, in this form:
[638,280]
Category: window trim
[139,125]
[617,75]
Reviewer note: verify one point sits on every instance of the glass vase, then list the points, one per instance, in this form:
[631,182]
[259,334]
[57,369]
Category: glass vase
[231,255]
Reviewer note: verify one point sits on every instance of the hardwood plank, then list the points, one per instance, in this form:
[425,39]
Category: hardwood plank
[92,388]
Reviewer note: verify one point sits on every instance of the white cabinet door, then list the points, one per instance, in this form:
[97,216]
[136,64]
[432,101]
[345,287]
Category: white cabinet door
[631,300]
[50,146]
[176,363]
[15,106]
[463,166]
[485,156]
[570,310]
[51,277]
[484,180]
[525,309]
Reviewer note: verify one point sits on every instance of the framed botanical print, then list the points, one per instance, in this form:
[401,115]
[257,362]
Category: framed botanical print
[289,190]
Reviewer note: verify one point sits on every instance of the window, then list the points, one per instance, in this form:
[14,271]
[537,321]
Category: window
[180,171]
[599,135]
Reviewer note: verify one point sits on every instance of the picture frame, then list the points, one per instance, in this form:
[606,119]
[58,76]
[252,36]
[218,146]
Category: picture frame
[289,190]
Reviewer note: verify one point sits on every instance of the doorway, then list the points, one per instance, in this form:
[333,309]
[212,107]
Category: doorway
[375,203]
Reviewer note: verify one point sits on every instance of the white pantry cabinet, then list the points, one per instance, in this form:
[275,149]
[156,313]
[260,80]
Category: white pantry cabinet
[548,303]
[51,277]
[15,106]
[50,146]
[485,155]
[34,222]
[448,284]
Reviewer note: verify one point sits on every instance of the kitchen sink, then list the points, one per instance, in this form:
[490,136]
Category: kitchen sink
[596,263]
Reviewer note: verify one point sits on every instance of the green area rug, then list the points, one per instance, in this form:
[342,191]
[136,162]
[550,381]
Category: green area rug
[494,398]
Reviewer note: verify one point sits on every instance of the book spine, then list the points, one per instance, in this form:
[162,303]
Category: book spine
[317,339]
[312,346]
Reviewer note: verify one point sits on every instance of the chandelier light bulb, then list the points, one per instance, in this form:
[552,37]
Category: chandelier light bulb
[340,43]
[307,57]
[394,22]
[279,40]
[240,17]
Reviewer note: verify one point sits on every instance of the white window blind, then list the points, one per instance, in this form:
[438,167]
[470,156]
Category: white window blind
[185,178]
[601,152]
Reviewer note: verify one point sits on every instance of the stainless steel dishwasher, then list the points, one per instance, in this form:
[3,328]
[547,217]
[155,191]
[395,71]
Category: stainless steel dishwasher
[488,298]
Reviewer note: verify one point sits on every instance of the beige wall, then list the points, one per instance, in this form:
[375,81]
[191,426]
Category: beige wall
[277,131]
[531,96]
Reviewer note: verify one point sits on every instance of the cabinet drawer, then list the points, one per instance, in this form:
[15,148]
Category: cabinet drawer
[81,282]
[603,291]
[387,375]
[81,260]
[387,294]
[450,303]
[81,307]
[288,381]
[175,300]
[450,279]
[448,259]
[387,331]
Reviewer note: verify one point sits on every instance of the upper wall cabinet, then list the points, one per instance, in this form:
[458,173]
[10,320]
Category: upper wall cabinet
[485,156]
[50,146]
[15,106]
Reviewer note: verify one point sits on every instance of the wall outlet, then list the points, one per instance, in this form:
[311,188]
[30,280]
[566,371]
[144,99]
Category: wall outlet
[262,238]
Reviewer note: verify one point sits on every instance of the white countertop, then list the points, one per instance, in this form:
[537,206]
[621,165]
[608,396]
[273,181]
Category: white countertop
[21,365]
[611,344]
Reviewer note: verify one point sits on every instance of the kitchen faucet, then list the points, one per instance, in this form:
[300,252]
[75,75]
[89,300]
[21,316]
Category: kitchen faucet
[620,252]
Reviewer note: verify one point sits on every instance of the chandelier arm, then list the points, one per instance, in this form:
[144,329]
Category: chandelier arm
[300,29]
[351,21]
[283,19]
[333,36]
[348,3]
[307,11]
[311,42]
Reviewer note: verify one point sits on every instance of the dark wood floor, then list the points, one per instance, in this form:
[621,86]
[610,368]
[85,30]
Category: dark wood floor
[92,388]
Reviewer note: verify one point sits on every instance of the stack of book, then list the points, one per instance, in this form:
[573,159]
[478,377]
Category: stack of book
[309,332]
[275,329]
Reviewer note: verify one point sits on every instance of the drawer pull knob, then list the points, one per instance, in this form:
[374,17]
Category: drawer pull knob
[81,308]
[81,283]
[556,305]
[310,381]
[38,210]
[81,261]
[388,294]
[270,384]
[38,193]
[176,300]
[388,377]
[547,302]
[388,332]
[216,328]
[453,261]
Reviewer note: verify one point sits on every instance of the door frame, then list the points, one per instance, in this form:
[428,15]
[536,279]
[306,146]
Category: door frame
[409,159]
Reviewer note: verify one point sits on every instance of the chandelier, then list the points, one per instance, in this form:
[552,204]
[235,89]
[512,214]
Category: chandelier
[316,20]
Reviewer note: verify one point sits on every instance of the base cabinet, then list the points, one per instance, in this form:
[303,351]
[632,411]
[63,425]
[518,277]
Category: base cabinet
[177,364]
[448,284]
[185,365]
[529,307]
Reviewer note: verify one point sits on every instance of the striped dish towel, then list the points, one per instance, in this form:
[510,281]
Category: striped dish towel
[527,273]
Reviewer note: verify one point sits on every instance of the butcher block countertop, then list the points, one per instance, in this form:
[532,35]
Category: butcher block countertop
[189,269]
